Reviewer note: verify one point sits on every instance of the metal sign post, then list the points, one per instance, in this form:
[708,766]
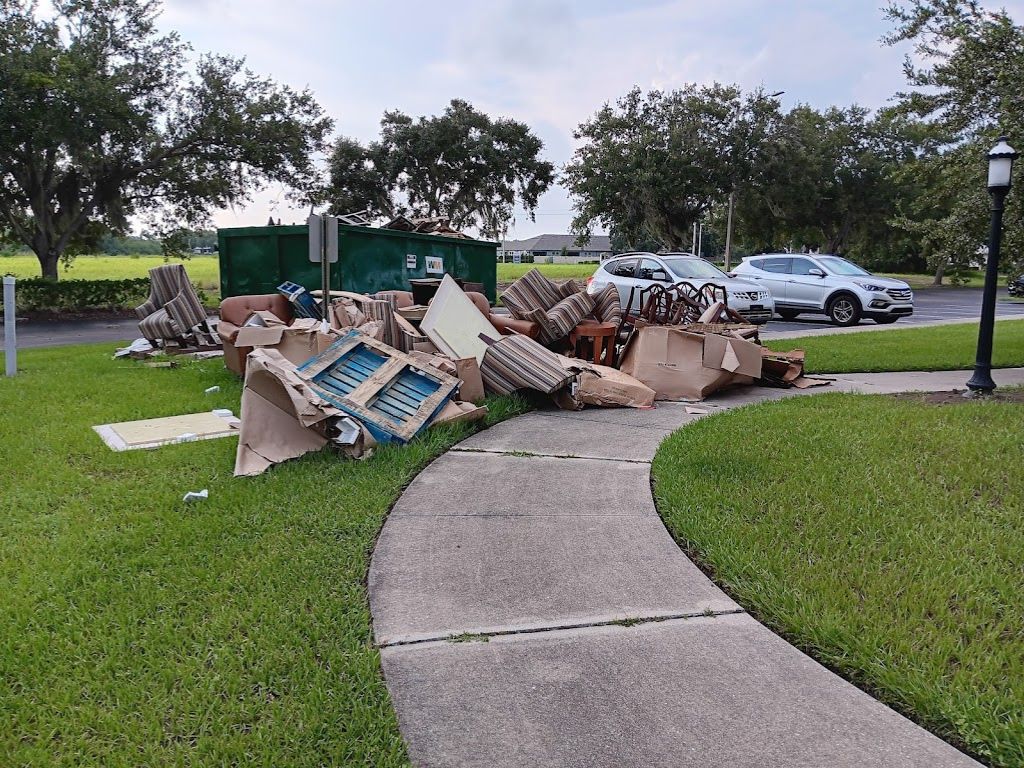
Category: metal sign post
[323,250]
[10,336]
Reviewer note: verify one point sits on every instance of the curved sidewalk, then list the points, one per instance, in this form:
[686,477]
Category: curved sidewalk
[532,610]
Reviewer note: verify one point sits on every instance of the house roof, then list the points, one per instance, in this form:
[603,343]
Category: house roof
[557,243]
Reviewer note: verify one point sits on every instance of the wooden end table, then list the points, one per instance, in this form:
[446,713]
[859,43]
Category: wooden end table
[601,337]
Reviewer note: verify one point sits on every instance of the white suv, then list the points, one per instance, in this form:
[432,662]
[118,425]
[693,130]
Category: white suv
[640,270]
[827,284]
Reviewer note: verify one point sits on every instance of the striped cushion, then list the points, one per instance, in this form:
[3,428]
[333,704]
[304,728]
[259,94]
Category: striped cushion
[519,362]
[607,307]
[568,288]
[158,326]
[565,315]
[529,292]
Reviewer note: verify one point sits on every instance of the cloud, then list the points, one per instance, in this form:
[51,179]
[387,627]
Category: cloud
[549,64]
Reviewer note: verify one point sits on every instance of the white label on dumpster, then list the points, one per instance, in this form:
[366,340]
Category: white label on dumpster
[435,265]
[410,261]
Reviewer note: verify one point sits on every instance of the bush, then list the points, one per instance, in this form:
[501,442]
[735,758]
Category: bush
[40,293]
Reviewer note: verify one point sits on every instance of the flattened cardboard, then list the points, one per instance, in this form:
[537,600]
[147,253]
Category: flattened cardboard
[454,323]
[456,410]
[278,409]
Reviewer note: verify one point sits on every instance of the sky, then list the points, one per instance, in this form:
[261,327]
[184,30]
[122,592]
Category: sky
[549,64]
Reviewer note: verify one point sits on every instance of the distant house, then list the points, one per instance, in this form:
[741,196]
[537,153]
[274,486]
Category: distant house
[555,249]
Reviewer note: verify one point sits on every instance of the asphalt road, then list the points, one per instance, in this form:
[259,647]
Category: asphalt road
[929,304]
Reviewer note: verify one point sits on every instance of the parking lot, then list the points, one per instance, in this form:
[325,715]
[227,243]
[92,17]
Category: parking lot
[930,304]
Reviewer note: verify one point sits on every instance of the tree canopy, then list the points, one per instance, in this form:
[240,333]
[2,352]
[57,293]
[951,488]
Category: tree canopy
[967,86]
[462,165]
[105,119]
[651,164]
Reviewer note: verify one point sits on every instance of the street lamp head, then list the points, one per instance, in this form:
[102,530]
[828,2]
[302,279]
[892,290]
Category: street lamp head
[1000,165]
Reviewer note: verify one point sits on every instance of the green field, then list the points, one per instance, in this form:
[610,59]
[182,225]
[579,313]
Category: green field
[509,272]
[882,536]
[136,629]
[203,270]
[936,348]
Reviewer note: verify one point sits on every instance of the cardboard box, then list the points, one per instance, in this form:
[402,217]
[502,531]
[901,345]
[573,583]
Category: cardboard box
[472,387]
[298,342]
[680,365]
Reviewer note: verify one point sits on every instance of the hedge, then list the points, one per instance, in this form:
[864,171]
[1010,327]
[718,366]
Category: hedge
[40,293]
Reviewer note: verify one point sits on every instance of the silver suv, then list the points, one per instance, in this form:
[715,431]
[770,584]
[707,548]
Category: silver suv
[830,285]
[642,269]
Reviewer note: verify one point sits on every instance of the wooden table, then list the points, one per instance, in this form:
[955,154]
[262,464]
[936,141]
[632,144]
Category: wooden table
[601,337]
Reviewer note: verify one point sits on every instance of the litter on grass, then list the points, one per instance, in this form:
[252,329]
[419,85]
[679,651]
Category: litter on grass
[153,433]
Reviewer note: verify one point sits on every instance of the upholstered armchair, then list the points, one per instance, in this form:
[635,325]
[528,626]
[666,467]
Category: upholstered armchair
[234,311]
[173,309]
[556,309]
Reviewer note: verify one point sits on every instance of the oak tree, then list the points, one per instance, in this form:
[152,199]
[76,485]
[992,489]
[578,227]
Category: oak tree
[106,120]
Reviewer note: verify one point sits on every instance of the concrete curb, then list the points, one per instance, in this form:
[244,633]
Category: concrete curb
[532,609]
[776,335]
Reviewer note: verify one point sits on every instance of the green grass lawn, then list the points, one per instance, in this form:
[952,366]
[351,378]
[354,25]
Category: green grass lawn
[937,348]
[509,272]
[974,279]
[883,536]
[139,630]
[203,270]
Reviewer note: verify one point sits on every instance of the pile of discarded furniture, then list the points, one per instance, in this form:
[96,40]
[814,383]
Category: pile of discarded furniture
[353,370]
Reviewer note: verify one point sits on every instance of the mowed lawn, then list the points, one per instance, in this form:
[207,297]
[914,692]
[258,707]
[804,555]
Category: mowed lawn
[205,270]
[202,270]
[936,348]
[136,629]
[884,536]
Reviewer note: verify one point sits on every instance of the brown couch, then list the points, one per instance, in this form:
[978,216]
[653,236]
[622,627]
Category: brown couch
[235,311]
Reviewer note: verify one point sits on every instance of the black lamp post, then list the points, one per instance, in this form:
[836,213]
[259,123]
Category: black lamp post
[1000,174]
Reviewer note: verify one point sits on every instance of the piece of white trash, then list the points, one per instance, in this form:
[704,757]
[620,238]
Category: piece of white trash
[696,411]
[224,413]
[211,390]
[187,437]
[196,495]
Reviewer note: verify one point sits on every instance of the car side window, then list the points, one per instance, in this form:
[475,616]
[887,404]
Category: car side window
[624,268]
[780,266]
[648,268]
[757,263]
[803,266]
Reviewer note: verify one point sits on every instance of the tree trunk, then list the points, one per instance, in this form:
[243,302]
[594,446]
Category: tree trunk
[939,274]
[48,261]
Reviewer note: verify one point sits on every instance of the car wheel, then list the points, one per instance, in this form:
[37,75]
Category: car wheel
[844,310]
[787,314]
[885,320]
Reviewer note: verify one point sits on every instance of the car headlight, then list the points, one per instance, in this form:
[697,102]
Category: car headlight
[871,287]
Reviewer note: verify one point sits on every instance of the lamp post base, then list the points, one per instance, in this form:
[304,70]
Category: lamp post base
[981,382]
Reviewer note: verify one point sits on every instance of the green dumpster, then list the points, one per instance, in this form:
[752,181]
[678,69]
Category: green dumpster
[255,260]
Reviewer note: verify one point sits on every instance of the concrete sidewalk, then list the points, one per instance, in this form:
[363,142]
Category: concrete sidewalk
[532,610]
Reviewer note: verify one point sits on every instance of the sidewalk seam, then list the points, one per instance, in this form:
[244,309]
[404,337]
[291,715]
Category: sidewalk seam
[625,622]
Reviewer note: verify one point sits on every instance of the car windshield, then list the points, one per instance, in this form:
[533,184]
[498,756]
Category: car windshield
[687,269]
[840,266]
